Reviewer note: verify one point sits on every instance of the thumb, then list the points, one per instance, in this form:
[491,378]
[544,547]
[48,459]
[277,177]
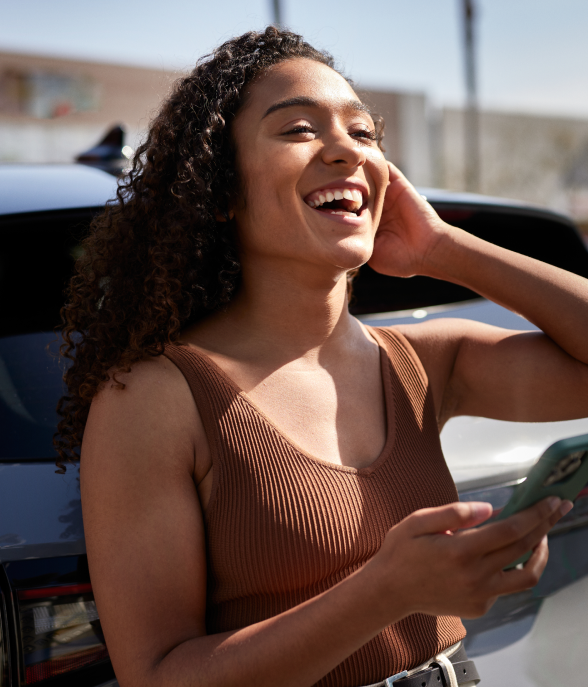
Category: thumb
[394,173]
[453,516]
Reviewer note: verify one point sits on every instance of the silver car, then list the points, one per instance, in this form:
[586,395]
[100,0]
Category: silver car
[50,632]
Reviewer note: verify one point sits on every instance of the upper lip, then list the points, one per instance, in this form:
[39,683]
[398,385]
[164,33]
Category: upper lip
[358,184]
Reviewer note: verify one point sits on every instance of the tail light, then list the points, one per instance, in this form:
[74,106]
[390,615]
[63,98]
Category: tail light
[3,643]
[56,625]
[7,646]
[60,631]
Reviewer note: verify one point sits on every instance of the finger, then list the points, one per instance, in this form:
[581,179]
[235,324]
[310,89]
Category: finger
[536,564]
[452,517]
[501,534]
[517,579]
[394,173]
[399,183]
[500,558]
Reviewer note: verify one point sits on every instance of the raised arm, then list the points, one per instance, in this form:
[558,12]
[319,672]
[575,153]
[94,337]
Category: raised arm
[477,369]
[145,535]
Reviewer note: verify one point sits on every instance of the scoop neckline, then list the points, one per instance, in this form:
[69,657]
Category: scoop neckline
[390,411]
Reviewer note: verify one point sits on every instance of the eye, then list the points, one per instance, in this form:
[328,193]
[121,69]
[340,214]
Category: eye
[366,134]
[300,129]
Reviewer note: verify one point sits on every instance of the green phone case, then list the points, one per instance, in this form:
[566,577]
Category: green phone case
[549,468]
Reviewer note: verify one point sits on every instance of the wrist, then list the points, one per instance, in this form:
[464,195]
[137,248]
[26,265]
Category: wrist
[383,598]
[444,255]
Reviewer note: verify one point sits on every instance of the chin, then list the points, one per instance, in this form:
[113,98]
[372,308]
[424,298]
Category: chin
[352,252]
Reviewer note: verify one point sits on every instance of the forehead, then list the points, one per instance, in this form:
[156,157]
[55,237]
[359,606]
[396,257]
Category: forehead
[298,78]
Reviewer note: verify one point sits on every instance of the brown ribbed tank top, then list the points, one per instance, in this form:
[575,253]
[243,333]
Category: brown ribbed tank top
[283,526]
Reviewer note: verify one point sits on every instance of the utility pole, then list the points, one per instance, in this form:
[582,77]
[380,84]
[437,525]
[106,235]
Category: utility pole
[472,124]
[277,10]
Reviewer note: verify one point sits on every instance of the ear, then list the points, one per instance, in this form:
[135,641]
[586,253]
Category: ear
[221,218]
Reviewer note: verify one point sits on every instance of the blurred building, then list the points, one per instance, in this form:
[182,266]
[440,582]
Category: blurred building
[537,158]
[409,135]
[540,159]
[52,109]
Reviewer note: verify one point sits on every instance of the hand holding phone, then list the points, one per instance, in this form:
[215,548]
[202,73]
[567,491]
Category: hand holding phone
[561,471]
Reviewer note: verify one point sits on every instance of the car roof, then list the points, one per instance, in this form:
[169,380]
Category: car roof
[477,201]
[28,188]
[42,188]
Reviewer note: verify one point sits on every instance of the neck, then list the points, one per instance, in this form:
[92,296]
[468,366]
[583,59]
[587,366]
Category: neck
[279,310]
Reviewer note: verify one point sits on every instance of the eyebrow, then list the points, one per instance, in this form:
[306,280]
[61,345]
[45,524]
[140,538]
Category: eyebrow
[311,102]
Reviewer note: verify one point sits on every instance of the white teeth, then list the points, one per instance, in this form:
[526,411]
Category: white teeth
[351,194]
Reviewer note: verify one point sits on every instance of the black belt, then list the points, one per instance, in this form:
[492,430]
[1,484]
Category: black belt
[436,674]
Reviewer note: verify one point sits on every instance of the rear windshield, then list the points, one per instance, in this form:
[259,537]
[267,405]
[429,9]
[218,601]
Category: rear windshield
[37,255]
[550,240]
[30,387]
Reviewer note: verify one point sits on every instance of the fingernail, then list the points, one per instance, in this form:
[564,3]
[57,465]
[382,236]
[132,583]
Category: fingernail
[566,507]
[553,502]
[480,509]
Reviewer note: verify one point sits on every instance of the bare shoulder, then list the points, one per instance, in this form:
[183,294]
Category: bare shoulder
[147,379]
[153,413]
[437,343]
[439,330]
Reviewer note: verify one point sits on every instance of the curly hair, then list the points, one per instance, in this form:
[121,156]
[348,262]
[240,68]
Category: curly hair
[157,259]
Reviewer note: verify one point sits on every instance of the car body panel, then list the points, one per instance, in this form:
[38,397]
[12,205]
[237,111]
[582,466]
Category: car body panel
[551,652]
[40,512]
[56,187]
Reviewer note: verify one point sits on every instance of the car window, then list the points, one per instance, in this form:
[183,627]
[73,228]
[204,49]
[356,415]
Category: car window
[549,240]
[30,387]
[37,254]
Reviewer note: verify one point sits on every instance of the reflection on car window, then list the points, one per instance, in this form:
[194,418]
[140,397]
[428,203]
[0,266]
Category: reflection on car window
[551,241]
[37,255]
[30,387]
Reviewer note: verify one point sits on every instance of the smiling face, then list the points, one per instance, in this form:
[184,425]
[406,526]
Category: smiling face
[313,177]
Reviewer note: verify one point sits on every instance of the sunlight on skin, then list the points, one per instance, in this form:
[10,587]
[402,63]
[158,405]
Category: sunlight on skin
[307,147]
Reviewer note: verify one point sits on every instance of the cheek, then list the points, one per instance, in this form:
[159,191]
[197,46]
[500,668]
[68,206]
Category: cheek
[266,198]
[254,193]
[270,192]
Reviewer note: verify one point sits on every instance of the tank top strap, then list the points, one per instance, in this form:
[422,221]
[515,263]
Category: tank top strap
[213,391]
[402,356]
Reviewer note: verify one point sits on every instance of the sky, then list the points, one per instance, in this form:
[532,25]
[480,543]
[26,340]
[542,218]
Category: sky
[532,54]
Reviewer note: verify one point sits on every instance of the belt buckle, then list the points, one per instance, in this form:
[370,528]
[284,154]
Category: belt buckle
[390,680]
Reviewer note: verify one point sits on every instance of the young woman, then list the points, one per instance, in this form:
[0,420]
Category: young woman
[264,494]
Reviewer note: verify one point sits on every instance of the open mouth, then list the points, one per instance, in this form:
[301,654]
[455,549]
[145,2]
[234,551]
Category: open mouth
[348,202]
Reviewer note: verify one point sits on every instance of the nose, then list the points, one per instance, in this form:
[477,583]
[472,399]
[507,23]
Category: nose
[342,149]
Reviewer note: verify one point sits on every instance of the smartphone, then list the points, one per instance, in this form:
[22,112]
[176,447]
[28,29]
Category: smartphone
[561,471]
